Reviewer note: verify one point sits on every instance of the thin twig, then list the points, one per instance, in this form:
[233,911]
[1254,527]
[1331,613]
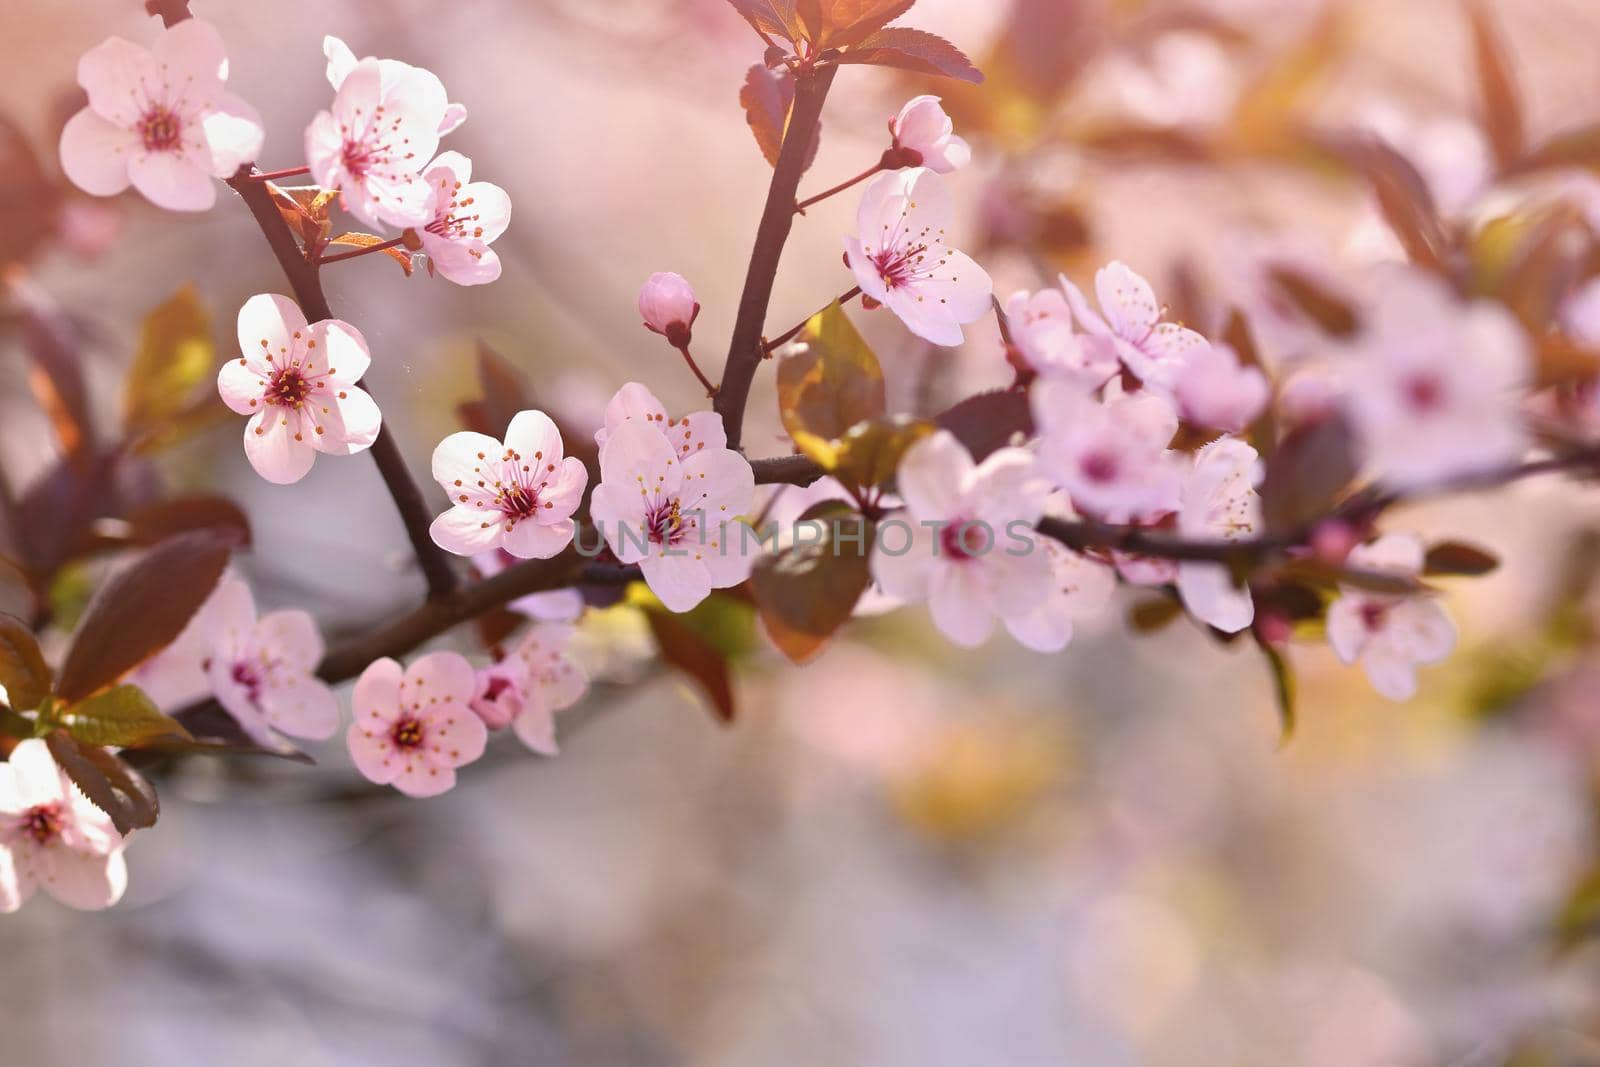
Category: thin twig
[790,334]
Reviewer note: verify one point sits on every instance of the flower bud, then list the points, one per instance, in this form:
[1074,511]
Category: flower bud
[668,307]
[500,695]
[923,136]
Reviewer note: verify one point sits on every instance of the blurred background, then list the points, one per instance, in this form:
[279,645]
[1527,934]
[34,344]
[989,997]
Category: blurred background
[901,854]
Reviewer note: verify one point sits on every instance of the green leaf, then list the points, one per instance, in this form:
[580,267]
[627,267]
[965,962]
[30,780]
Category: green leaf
[176,354]
[1458,558]
[1283,686]
[870,452]
[140,610]
[829,385]
[805,592]
[121,717]
[23,671]
[107,782]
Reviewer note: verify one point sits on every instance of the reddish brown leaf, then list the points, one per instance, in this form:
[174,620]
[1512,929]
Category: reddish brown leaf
[154,523]
[1498,95]
[23,671]
[988,421]
[768,98]
[107,782]
[1308,472]
[1458,558]
[684,649]
[916,50]
[807,591]
[368,240]
[771,18]
[140,610]
[1334,315]
[852,21]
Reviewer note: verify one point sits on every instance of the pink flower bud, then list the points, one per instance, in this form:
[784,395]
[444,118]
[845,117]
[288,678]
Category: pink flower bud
[668,307]
[924,136]
[1333,541]
[500,697]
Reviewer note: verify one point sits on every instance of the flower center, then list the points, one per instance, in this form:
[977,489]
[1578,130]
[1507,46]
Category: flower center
[517,501]
[1424,393]
[245,675]
[962,541]
[289,388]
[1374,615]
[497,686]
[159,129]
[1099,467]
[900,266]
[665,524]
[42,823]
[407,733]
[449,224]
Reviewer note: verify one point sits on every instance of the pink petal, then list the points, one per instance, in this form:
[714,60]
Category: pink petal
[267,324]
[492,205]
[172,180]
[535,540]
[95,153]
[192,57]
[301,707]
[271,447]
[111,73]
[467,531]
[454,116]
[718,482]
[960,609]
[240,387]
[350,423]
[533,435]
[536,728]
[89,881]
[931,477]
[233,133]
[564,491]
[1127,300]
[371,750]
[679,581]
[638,454]
[293,638]
[341,61]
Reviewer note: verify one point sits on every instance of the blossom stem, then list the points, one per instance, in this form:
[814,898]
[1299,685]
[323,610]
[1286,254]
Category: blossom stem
[306,283]
[790,334]
[800,208]
[745,351]
[323,261]
[711,389]
[275,175]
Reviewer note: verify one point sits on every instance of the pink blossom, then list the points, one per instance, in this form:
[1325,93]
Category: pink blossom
[695,432]
[676,516]
[668,306]
[900,258]
[1080,588]
[1433,383]
[965,541]
[465,217]
[1111,457]
[297,382]
[557,605]
[1041,328]
[1389,635]
[1213,389]
[924,136]
[341,61]
[160,119]
[528,687]
[414,727]
[51,837]
[371,145]
[519,495]
[1129,327]
[1219,502]
[1580,314]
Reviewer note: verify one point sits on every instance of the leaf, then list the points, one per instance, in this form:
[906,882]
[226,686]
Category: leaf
[505,393]
[213,732]
[1333,314]
[870,452]
[988,421]
[685,650]
[1577,147]
[852,21]
[768,100]
[120,717]
[1283,686]
[1153,615]
[771,18]
[1308,472]
[915,50]
[1405,200]
[140,611]
[828,385]
[154,523]
[305,210]
[107,782]
[1498,94]
[23,671]
[1458,558]
[805,592]
[176,353]
[56,373]
[368,240]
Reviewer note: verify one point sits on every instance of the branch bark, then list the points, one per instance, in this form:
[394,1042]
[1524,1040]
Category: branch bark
[745,351]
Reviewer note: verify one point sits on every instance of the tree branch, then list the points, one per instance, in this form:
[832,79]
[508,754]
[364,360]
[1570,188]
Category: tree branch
[746,351]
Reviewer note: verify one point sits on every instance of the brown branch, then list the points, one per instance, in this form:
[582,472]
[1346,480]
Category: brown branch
[745,352]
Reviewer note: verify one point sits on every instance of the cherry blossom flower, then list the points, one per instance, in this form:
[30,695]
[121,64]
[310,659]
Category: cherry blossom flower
[52,838]
[519,495]
[414,726]
[527,688]
[924,136]
[1080,588]
[341,61]
[1213,389]
[1580,314]
[297,382]
[1432,383]
[1219,501]
[1041,329]
[1111,457]
[900,258]
[668,306]
[160,119]
[1129,326]
[675,515]
[371,145]
[263,670]
[696,432]
[557,605]
[465,216]
[1390,635]
[965,541]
